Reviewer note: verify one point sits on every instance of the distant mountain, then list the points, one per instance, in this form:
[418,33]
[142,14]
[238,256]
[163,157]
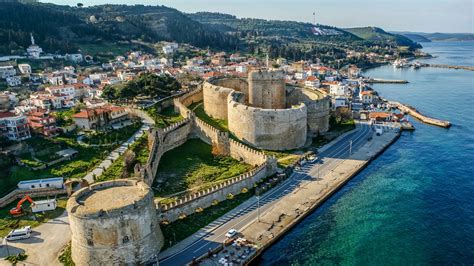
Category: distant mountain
[378,35]
[62,27]
[438,36]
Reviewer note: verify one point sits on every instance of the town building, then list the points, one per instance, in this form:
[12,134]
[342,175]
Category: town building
[100,117]
[14,127]
[34,51]
[25,69]
[312,82]
[7,71]
[43,123]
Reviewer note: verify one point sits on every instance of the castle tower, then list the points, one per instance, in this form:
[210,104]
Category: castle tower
[267,89]
[114,223]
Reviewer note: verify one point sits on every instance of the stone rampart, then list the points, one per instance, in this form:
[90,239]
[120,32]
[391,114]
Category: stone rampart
[272,129]
[190,203]
[267,89]
[317,105]
[33,193]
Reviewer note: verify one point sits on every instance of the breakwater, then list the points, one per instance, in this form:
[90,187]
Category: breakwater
[470,68]
[388,81]
[416,114]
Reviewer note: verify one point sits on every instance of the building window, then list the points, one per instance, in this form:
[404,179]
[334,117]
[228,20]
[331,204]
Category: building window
[90,242]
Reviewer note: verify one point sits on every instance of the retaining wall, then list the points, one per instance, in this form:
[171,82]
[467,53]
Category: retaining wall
[34,193]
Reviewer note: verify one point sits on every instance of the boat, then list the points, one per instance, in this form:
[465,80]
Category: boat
[416,65]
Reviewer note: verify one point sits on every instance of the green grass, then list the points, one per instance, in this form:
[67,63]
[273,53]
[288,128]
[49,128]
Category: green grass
[65,256]
[343,126]
[164,118]
[181,229]
[198,109]
[193,164]
[112,136]
[8,223]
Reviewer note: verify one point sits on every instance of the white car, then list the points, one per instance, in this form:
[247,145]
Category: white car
[312,159]
[231,233]
[22,233]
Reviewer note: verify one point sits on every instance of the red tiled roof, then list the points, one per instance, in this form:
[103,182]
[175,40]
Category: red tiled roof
[7,114]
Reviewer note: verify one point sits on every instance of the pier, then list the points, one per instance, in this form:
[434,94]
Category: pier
[470,68]
[416,114]
[388,81]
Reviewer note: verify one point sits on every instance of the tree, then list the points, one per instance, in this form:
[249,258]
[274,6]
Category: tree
[129,160]
[79,5]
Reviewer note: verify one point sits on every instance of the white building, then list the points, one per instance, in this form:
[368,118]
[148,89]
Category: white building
[57,182]
[24,69]
[14,127]
[366,97]
[301,75]
[339,89]
[14,81]
[34,51]
[312,82]
[340,102]
[7,71]
[241,69]
[76,58]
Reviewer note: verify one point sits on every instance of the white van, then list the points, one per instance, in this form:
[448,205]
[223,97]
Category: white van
[22,233]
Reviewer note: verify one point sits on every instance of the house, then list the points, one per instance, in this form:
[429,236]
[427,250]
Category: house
[14,81]
[218,61]
[312,82]
[241,69]
[57,182]
[7,71]
[353,71]
[24,69]
[14,127]
[166,61]
[99,117]
[282,61]
[76,58]
[301,75]
[366,97]
[169,48]
[339,101]
[236,57]
[338,89]
[380,116]
[41,122]
[67,91]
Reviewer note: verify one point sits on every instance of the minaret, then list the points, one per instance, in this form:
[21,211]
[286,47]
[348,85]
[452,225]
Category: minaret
[32,39]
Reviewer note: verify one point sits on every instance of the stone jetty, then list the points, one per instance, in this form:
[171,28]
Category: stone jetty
[416,114]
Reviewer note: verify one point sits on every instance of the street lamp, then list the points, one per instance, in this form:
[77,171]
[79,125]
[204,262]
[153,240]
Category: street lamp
[350,147]
[257,193]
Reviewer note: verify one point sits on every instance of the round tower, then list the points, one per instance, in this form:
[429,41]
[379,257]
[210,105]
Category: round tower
[114,223]
[267,89]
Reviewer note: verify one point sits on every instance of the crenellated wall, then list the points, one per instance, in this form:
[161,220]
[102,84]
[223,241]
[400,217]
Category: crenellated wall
[190,203]
[267,89]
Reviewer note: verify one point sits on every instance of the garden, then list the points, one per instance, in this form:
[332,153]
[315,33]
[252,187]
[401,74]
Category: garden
[110,137]
[193,165]
[165,118]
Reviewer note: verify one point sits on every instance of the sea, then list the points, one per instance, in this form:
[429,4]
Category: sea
[414,204]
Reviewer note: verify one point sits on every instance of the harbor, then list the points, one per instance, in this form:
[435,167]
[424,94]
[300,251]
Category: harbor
[407,109]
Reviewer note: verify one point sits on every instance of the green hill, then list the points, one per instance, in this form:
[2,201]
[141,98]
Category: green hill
[379,36]
[62,28]
[437,36]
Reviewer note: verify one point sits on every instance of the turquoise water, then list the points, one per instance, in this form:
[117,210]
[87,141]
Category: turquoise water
[413,205]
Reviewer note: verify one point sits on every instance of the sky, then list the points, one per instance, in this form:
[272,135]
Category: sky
[449,16]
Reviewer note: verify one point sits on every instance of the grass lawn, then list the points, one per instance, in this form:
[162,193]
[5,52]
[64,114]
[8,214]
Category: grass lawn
[192,164]
[140,148]
[164,118]
[112,136]
[198,109]
[181,229]
[8,223]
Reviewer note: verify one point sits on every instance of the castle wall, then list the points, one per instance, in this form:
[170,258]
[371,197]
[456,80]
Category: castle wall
[272,129]
[188,204]
[215,100]
[128,233]
[267,89]
[317,105]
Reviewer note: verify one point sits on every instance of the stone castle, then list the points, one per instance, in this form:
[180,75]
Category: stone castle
[263,112]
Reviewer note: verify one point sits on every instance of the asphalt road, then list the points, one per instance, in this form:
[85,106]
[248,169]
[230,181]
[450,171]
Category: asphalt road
[329,159]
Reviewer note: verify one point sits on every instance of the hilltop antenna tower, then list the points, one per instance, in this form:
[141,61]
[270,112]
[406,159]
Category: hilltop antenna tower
[314,18]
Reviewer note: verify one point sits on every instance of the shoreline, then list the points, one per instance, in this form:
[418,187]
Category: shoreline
[326,196]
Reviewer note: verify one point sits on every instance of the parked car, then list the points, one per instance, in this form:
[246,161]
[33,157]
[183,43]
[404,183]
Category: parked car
[17,234]
[231,233]
[312,158]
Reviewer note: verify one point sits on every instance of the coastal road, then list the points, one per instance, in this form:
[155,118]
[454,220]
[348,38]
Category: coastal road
[247,213]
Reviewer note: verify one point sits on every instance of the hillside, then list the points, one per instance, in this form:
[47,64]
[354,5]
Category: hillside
[438,36]
[62,28]
[382,37]
[272,28]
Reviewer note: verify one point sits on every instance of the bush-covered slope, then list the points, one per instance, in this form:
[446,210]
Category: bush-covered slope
[379,36]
